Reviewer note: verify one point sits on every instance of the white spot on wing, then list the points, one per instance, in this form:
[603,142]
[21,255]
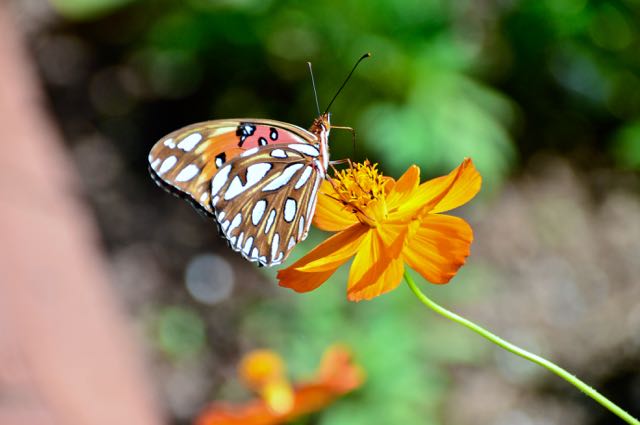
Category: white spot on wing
[169,143]
[258,211]
[305,149]
[248,245]
[278,153]
[249,152]
[235,222]
[283,178]
[167,164]
[275,244]
[220,179]
[240,238]
[189,142]
[221,216]
[203,197]
[215,200]
[300,227]
[255,173]
[290,208]
[224,226]
[270,220]
[314,198]
[187,173]
[292,243]
[255,253]
[155,163]
[304,177]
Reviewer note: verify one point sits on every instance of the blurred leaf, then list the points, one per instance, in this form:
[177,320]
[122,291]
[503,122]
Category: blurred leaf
[180,331]
[626,146]
[87,9]
[448,117]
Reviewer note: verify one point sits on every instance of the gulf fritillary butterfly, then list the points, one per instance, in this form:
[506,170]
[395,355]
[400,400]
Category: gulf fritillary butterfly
[258,178]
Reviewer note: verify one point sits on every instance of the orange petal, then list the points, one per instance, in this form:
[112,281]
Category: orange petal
[331,215]
[377,267]
[404,187]
[453,190]
[338,370]
[439,247]
[337,376]
[319,264]
[258,367]
[389,279]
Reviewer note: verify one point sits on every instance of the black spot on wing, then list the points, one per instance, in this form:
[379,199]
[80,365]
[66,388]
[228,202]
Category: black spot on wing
[262,141]
[221,159]
[244,130]
[273,133]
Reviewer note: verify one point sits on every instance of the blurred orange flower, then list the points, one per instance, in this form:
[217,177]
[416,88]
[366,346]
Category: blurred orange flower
[385,223]
[264,372]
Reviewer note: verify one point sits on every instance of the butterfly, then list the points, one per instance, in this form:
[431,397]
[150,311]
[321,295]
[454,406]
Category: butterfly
[258,178]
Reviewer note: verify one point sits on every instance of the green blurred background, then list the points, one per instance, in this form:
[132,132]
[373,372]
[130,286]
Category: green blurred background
[544,95]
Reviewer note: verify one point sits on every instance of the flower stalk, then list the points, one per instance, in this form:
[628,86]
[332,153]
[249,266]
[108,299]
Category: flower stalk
[552,367]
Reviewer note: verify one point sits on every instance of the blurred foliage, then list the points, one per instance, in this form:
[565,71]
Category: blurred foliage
[86,9]
[180,332]
[626,146]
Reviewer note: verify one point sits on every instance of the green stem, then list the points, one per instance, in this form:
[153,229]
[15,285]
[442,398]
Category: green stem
[522,353]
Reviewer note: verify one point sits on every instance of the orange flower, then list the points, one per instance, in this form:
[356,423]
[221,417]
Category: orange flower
[264,372]
[385,223]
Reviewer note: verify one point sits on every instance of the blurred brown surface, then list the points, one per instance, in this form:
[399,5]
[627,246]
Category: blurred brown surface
[65,354]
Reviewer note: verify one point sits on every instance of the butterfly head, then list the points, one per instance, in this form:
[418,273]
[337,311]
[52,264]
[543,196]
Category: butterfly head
[322,124]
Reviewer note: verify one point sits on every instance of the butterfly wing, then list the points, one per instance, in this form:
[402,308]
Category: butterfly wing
[264,200]
[184,161]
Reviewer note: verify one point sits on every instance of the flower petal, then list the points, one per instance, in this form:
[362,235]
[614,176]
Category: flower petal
[332,215]
[339,371]
[319,264]
[438,247]
[386,281]
[377,267]
[459,187]
[404,187]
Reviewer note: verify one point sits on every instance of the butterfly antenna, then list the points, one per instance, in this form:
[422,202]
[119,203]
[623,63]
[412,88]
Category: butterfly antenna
[313,83]
[366,55]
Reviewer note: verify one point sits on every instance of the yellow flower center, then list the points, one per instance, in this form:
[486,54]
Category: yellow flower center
[361,187]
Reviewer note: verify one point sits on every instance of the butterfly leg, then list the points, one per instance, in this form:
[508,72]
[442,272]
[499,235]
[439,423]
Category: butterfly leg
[341,127]
[353,134]
[340,161]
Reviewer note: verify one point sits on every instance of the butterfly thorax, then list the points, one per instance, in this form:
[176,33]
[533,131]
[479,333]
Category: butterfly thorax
[321,127]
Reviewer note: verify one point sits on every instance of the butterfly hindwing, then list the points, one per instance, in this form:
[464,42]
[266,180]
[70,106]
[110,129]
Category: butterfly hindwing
[185,161]
[265,198]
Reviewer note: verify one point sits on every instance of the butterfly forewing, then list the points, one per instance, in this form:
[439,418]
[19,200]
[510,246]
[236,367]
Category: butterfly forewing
[264,200]
[186,160]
